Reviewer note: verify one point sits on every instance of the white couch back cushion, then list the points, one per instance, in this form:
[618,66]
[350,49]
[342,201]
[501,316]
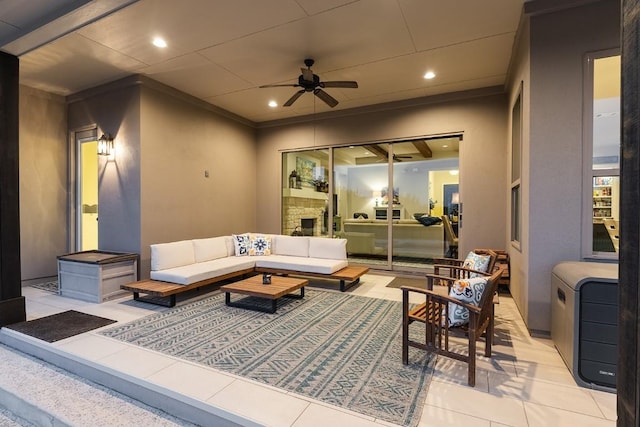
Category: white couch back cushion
[170,255]
[208,249]
[290,245]
[320,247]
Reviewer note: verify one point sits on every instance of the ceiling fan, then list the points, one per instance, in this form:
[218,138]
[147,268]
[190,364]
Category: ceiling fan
[310,82]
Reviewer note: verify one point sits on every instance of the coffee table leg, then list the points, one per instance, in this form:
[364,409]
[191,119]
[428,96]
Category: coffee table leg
[274,305]
[227,298]
[296,296]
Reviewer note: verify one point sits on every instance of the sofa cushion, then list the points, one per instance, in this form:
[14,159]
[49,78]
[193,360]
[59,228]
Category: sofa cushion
[290,245]
[305,265]
[241,244]
[208,249]
[196,272]
[259,244]
[231,248]
[321,247]
[170,255]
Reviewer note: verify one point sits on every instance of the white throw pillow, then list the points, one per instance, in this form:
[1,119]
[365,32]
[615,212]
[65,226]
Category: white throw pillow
[208,249]
[241,243]
[290,245]
[468,291]
[170,255]
[320,247]
[259,244]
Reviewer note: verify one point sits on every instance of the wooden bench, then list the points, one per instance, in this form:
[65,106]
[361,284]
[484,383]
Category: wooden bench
[156,290]
[348,276]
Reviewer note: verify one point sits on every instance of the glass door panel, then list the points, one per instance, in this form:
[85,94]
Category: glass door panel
[425,183]
[360,175]
[305,193]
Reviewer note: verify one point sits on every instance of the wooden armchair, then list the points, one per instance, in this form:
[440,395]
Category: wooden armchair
[445,269]
[481,320]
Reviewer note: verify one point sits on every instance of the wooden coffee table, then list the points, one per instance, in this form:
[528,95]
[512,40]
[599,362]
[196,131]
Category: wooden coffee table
[279,287]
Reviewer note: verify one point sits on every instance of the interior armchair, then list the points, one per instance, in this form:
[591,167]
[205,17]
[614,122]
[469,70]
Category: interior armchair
[440,313]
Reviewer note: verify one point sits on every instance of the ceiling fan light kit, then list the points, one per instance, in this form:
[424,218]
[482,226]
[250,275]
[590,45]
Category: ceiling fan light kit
[310,82]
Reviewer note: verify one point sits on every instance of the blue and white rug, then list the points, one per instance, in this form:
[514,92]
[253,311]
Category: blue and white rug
[341,349]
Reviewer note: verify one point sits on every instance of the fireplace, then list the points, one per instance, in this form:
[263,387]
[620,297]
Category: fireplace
[308,226]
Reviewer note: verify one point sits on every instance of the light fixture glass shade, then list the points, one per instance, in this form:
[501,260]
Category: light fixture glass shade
[105,145]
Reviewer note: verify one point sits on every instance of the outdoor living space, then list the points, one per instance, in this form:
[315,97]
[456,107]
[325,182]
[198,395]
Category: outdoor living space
[524,383]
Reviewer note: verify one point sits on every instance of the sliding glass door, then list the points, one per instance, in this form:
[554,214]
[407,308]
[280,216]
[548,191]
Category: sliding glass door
[387,199]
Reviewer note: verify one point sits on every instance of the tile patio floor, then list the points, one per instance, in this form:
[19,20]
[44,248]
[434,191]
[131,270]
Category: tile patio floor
[525,383]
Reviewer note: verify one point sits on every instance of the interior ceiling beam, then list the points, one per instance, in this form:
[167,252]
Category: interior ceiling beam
[378,151]
[423,149]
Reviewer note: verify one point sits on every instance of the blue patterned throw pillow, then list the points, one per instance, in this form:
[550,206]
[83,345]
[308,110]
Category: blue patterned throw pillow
[241,243]
[477,262]
[259,245]
[468,291]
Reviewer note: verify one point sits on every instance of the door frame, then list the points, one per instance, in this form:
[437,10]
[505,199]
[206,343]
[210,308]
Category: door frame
[76,138]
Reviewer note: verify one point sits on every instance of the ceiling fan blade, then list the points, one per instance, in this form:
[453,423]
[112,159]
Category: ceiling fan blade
[307,74]
[330,100]
[289,85]
[340,83]
[293,99]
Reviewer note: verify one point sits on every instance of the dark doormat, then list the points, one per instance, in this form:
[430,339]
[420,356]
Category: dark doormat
[60,326]
[408,281]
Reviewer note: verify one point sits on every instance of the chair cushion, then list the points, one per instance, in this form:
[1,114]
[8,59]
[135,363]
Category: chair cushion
[477,262]
[468,291]
[259,244]
[241,243]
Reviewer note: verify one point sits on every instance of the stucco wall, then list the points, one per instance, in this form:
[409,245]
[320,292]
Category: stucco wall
[553,151]
[43,182]
[182,141]
[478,115]
[115,109]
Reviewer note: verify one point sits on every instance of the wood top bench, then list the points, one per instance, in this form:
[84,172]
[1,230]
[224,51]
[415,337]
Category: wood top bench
[348,276]
[156,290]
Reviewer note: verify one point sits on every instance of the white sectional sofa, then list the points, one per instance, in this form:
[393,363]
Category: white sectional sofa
[190,261]
[187,264]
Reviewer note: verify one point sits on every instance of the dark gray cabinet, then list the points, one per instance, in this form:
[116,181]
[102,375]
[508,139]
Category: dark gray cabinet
[584,320]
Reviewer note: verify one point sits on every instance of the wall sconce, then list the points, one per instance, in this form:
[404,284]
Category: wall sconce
[105,145]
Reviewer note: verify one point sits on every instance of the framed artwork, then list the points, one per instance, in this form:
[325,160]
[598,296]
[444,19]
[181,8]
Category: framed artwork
[304,168]
[385,196]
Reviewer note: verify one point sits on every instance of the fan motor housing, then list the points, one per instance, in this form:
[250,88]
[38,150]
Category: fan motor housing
[309,86]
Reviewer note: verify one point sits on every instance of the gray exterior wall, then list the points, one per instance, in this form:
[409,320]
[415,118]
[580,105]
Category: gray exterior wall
[553,145]
[479,115]
[182,139]
[115,109]
[43,182]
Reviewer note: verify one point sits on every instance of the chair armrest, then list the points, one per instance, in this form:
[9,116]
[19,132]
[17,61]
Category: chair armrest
[437,267]
[448,261]
[439,298]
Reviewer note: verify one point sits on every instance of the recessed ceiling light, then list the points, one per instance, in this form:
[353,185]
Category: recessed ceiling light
[454,172]
[429,75]
[273,104]
[159,42]
[445,146]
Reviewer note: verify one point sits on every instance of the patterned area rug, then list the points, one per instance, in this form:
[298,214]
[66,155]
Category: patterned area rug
[341,349]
